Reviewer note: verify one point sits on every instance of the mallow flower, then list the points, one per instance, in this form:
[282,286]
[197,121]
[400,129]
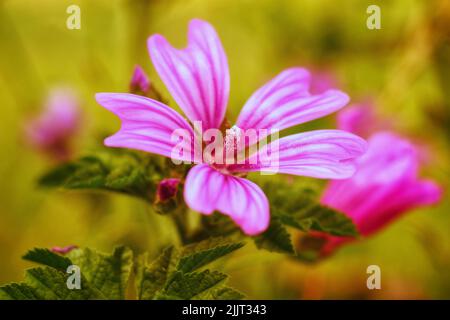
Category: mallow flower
[198,79]
[53,130]
[385,186]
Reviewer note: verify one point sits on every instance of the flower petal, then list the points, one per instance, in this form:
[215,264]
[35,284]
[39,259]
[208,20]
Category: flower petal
[197,76]
[147,125]
[399,198]
[207,189]
[285,102]
[327,154]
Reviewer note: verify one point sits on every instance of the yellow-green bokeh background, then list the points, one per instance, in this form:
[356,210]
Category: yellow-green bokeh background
[404,68]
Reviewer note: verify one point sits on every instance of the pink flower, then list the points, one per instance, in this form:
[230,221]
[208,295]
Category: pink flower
[385,186]
[199,81]
[52,131]
[139,81]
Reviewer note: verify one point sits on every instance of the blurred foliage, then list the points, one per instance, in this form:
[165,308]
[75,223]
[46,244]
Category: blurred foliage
[121,171]
[403,68]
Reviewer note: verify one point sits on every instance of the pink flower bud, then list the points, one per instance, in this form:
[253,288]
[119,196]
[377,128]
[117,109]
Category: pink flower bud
[64,250]
[167,189]
[139,81]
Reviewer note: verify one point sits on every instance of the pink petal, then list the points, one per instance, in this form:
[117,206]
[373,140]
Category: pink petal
[197,76]
[401,198]
[285,102]
[327,154]
[147,125]
[388,158]
[207,190]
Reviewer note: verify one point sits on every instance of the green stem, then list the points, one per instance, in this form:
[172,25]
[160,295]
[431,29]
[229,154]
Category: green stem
[179,218]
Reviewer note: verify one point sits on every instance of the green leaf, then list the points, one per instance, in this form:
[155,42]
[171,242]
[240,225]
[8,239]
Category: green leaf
[106,276]
[48,284]
[173,270]
[224,293]
[319,218]
[48,258]
[276,238]
[151,279]
[116,170]
[108,273]
[190,285]
[199,254]
[17,291]
[102,276]
[51,284]
[298,206]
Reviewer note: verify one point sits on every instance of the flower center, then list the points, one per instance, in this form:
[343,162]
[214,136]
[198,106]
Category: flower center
[223,152]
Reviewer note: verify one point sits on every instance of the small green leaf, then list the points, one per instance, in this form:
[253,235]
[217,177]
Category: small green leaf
[298,206]
[111,169]
[276,238]
[18,291]
[319,218]
[173,271]
[48,258]
[108,273]
[190,285]
[151,279]
[202,253]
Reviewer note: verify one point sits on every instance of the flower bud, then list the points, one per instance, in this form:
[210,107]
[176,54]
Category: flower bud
[167,189]
[140,84]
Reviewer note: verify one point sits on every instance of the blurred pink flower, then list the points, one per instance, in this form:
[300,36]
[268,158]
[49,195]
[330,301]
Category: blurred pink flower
[322,81]
[385,186]
[199,81]
[359,119]
[52,131]
[139,81]
[64,250]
